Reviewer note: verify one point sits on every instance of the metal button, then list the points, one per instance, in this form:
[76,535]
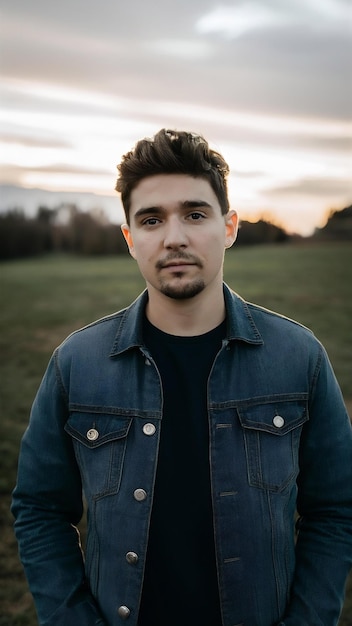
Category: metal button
[92,434]
[140,495]
[278,421]
[123,611]
[149,429]
[132,558]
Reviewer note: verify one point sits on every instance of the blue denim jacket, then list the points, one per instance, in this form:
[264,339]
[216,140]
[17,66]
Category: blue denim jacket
[280,440]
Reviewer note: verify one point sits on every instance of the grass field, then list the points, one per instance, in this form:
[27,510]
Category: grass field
[45,299]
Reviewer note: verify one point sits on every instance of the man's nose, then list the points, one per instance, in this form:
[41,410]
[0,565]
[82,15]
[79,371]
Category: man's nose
[175,234]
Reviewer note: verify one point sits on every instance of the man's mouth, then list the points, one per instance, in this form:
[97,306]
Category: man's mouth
[177,263]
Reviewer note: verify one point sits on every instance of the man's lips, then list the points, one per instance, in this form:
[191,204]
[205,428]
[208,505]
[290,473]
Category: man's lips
[177,263]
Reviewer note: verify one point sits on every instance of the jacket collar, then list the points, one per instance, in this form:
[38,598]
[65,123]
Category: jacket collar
[240,323]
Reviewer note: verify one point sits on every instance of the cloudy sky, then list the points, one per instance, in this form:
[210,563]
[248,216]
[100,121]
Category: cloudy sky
[267,82]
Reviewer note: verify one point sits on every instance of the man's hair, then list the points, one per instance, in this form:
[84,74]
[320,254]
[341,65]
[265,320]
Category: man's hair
[172,152]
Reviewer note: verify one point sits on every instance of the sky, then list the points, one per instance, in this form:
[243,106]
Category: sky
[268,83]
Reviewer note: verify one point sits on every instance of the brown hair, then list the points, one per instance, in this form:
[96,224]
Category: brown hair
[172,152]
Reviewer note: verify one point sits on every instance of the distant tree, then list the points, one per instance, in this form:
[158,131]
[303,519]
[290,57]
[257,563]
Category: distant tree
[22,237]
[260,232]
[338,225]
[87,234]
[46,215]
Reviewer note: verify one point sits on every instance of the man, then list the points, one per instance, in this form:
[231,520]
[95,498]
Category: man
[197,424]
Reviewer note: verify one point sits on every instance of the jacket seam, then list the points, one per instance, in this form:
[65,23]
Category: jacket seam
[316,370]
[58,376]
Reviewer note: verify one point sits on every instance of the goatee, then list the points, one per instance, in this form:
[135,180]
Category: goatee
[182,292]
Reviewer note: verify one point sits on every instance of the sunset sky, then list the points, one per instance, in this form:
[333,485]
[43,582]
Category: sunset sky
[267,82]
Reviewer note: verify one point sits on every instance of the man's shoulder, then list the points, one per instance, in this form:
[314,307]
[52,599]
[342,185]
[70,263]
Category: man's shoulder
[97,336]
[106,336]
[268,322]
[274,318]
[108,323]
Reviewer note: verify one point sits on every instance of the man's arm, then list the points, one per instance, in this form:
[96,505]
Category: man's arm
[47,505]
[324,543]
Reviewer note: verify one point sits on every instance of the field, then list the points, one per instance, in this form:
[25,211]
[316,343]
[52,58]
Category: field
[45,299]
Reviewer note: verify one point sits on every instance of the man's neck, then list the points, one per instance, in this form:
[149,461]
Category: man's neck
[189,317]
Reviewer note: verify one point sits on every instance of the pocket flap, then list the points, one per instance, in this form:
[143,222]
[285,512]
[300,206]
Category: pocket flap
[276,417]
[95,429]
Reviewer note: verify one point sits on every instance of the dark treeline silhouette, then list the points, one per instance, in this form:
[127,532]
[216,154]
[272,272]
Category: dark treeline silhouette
[251,233]
[63,229]
[338,226]
[67,229]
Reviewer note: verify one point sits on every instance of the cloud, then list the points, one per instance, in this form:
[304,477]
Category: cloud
[248,174]
[54,173]
[180,48]
[34,141]
[297,63]
[329,188]
[58,168]
[236,20]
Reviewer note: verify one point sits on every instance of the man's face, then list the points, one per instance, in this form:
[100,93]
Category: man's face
[177,234]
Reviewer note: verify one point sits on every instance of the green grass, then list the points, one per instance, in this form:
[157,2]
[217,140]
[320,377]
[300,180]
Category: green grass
[45,299]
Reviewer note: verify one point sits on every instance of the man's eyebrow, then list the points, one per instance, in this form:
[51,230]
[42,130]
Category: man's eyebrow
[193,204]
[155,210]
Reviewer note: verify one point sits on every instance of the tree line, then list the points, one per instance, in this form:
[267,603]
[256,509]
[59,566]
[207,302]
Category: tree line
[67,229]
[63,229]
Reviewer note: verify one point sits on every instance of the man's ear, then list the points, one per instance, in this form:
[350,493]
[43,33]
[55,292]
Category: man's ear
[231,223]
[128,238]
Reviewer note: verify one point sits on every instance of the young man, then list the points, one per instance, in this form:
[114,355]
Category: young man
[197,425]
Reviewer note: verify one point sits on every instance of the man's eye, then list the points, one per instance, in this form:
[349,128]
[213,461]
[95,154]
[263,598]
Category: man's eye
[151,221]
[196,216]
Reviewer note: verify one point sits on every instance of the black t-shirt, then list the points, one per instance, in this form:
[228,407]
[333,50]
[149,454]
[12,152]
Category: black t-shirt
[180,585]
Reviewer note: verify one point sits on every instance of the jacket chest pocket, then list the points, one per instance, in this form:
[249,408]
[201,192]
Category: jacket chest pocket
[272,433]
[99,442]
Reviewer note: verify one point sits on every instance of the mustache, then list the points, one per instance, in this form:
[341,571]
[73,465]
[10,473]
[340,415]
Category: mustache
[178,256]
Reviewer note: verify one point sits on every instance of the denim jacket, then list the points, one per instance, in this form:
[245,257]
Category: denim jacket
[280,442]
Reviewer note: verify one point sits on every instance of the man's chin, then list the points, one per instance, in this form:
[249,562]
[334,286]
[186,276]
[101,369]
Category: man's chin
[182,292]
